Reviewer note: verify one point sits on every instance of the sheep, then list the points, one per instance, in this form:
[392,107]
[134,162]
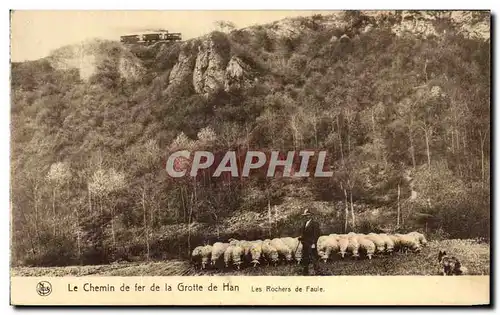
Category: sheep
[321,245]
[218,250]
[389,244]
[257,242]
[326,246]
[366,246]
[420,237]
[396,241]
[256,252]
[335,236]
[270,252]
[246,245]
[293,244]
[378,241]
[233,241]
[290,242]
[283,250]
[236,255]
[332,246]
[228,255]
[196,256]
[295,247]
[360,235]
[205,255]
[353,245]
[408,242]
[343,244]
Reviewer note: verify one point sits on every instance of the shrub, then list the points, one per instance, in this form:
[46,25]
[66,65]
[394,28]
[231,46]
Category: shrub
[52,251]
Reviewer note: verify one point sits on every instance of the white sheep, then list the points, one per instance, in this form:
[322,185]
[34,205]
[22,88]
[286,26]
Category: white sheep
[396,241]
[366,246]
[359,235]
[326,246]
[270,252]
[283,250]
[246,245]
[233,241]
[293,244]
[413,245]
[335,236]
[420,237]
[206,252]
[290,242]
[343,244]
[408,242]
[237,255]
[333,246]
[218,250]
[256,252]
[353,245]
[321,245]
[196,255]
[228,255]
[379,242]
[389,244]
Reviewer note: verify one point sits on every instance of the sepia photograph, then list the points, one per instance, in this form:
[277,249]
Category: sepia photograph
[249,144]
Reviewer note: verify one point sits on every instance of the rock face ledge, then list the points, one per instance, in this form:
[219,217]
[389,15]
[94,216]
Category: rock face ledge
[182,69]
[207,64]
[210,67]
[92,56]
[237,74]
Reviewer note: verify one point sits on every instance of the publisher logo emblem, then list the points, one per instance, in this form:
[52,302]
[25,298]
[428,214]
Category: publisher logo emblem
[43,288]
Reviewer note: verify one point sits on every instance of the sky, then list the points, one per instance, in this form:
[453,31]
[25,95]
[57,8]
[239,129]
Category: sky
[34,34]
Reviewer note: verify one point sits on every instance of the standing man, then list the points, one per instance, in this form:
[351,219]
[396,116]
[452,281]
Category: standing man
[309,237]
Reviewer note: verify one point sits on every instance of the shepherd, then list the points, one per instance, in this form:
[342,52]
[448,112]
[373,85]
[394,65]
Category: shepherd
[309,237]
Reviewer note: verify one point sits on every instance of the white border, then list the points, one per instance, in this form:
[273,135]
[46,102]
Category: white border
[183,5]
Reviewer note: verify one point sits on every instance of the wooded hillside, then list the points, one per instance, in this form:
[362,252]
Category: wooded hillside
[403,113]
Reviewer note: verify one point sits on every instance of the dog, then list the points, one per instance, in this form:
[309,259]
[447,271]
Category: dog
[451,265]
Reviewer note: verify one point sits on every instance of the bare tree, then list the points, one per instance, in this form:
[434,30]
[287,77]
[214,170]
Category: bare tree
[103,184]
[146,230]
[58,175]
[483,138]
[225,26]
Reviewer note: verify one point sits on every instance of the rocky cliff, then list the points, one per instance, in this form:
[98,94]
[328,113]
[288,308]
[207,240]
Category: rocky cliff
[209,64]
[93,55]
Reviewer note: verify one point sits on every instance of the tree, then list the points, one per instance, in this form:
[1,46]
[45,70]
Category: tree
[104,183]
[225,26]
[58,176]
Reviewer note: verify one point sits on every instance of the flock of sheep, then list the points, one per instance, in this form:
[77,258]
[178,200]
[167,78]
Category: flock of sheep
[289,249]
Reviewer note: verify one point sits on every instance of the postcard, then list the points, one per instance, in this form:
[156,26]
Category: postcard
[250,157]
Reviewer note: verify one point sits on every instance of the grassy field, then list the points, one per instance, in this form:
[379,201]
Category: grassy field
[475,256]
